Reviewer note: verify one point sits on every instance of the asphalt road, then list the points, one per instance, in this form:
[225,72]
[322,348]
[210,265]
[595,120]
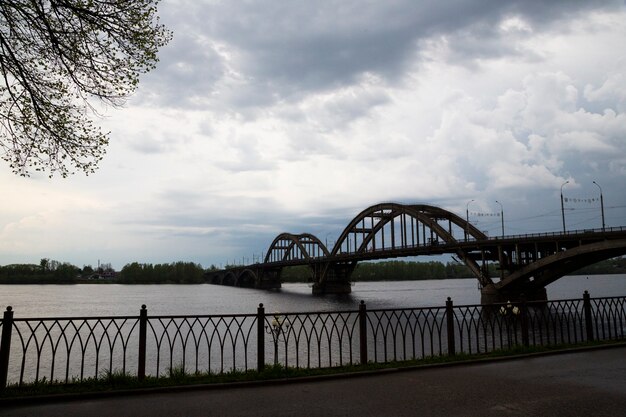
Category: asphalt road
[589,383]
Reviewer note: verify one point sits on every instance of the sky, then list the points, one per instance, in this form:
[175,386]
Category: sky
[265,117]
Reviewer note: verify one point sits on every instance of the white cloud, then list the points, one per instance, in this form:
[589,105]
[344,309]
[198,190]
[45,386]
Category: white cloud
[613,89]
[264,118]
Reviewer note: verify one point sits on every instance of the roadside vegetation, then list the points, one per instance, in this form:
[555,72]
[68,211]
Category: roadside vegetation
[177,376]
[55,272]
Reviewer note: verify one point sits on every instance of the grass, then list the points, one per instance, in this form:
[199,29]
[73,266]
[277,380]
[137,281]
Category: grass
[110,381]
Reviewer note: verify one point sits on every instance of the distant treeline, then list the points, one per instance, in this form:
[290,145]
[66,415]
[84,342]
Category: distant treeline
[408,270]
[392,271]
[611,266]
[54,272]
[174,273]
[49,272]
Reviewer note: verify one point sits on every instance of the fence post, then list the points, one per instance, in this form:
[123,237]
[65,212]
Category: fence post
[450,325]
[524,320]
[5,346]
[588,317]
[363,332]
[143,329]
[260,326]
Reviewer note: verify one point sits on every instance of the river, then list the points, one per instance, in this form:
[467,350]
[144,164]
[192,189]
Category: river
[113,299]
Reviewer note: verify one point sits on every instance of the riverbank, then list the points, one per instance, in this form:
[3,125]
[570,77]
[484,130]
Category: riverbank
[189,273]
[124,384]
[574,383]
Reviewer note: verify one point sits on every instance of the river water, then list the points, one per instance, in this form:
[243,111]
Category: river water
[112,299]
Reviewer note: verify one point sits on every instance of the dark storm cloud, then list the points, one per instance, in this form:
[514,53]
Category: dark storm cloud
[275,51]
[188,71]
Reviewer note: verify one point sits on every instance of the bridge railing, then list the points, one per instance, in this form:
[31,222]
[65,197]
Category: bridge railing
[442,244]
[69,349]
[576,232]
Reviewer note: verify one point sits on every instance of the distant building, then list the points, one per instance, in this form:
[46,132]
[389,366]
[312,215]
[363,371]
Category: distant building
[103,275]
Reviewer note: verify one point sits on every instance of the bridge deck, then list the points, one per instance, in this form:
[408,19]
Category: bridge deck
[506,243]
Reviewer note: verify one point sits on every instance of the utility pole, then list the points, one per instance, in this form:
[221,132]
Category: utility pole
[467,219]
[562,206]
[501,216]
[601,205]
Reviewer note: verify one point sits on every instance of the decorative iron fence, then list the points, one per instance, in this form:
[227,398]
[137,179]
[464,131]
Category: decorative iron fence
[68,349]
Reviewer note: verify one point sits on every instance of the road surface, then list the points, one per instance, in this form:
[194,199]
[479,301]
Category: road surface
[583,383]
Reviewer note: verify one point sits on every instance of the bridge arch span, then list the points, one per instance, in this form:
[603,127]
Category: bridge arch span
[288,246]
[392,227]
[230,278]
[364,228]
[546,270]
[247,278]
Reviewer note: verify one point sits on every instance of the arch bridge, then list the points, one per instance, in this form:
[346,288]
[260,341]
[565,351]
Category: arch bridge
[526,263]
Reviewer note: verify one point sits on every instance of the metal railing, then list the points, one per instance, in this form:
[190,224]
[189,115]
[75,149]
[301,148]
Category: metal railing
[68,349]
[440,244]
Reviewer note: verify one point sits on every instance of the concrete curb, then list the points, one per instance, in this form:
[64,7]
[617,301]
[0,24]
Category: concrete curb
[55,398]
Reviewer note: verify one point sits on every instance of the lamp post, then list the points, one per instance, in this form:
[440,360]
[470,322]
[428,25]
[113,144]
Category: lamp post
[277,330]
[501,216]
[601,204]
[467,219]
[562,207]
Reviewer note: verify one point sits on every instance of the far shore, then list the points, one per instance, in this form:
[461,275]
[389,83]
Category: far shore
[291,281]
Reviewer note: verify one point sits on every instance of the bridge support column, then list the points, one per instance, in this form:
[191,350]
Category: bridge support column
[269,279]
[335,279]
[490,295]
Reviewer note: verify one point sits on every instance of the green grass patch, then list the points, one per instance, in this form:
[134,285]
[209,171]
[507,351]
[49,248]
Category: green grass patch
[178,376]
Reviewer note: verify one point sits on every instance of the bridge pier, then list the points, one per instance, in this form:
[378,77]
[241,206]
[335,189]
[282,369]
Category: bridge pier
[269,279]
[334,278]
[490,295]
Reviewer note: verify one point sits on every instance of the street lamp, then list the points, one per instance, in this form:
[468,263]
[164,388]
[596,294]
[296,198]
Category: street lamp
[601,204]
[562,207]
[278,330]
[467,219]
[501,216]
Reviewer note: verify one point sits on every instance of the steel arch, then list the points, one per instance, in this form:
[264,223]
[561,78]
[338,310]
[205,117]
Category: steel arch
[380,215]
[288,246]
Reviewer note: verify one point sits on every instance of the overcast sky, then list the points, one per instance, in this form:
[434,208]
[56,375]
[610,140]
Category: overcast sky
[265,117]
